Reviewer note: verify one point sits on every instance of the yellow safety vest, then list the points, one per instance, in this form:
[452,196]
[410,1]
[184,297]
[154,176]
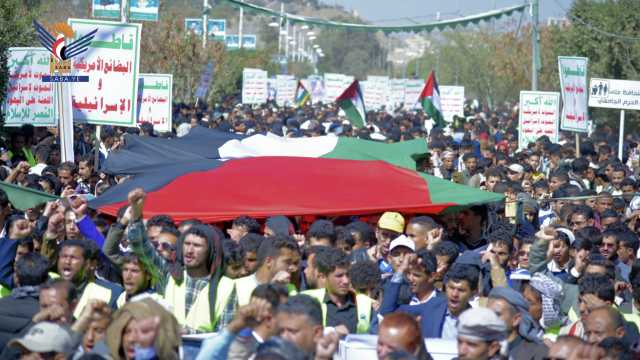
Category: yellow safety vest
[92,291]
[363,309]
[199,317]
[245,286]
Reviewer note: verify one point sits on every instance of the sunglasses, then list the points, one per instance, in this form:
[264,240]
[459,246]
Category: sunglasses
[163,246]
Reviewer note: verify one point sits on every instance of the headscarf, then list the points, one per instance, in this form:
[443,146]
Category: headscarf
[551,294]
[528,328]
[167,339]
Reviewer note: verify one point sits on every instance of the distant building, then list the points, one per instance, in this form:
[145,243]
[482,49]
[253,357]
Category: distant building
[560,22]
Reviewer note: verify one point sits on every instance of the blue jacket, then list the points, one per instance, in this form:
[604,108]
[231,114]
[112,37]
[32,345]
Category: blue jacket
[432,314]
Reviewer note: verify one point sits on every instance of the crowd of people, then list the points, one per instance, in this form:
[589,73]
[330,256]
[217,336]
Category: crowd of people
[549,273]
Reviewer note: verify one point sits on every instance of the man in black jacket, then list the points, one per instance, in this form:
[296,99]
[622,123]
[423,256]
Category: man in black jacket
[17,309]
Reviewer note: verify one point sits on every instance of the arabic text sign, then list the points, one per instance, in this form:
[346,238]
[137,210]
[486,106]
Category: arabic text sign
[452,101]
[106,8]
[285,89]
[573,87]
[154,100]
[254,86]
[334,86]
[376,91]
[29,100]
[412,91]
[144,10]
[396,91]
[539,112]
[111,62]
[614,94]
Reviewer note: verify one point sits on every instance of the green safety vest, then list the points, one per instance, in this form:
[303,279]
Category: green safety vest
[245,286]
[199,316]
[363,309]
[4,291]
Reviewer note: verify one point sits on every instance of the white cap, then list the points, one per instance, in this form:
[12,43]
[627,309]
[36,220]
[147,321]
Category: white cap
[402,240]
[44,337]
[517,168]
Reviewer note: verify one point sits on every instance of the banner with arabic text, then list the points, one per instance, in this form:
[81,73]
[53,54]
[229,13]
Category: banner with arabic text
[574,90]
[154,100]
[111,62]
[539,113]
[28,99]
[106,8]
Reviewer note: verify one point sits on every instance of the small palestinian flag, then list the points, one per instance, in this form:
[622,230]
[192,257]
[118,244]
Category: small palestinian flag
[302,95]
[352,102]
[430,100]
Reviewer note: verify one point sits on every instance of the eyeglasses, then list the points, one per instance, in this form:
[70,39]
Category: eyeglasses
[163,246]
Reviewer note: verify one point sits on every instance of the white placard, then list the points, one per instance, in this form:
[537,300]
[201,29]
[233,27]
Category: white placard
[376,92]
[452,101]
[539,113]
[614,94]
[111,62]
[412,91]
[315,85]
[254,86]
[28,99]
[285,90]
[334,86]
[155,101]
[396,93]
[573,87]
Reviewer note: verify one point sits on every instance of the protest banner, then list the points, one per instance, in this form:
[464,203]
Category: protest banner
[28,99]
[193,25]
[451,101]
[110,96]
[106,8]
[145,10]
[155,101]
[315,85]
[376,91]
[412,91]
[217,29]
[285,90]
[254,86]
[334,86]
[615,94]
[539,112]
[573,88]
[396,93]
[232,42]
[205,81]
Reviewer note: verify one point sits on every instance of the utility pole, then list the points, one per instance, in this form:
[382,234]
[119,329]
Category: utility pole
[535,44]
[240,23]
[205,20]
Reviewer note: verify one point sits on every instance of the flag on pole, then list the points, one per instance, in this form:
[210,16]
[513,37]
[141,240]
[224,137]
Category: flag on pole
[352,102]
[302,95]
[430,100]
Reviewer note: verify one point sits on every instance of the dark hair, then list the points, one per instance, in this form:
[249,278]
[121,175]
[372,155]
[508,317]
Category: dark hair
[365,231]
[628,239]
[269,293]
[628,182]
[303,305]
[426,222]
[32,269]
[614,347]
[107,132]
[560,174]
[583,210]
[579,165]
[591,234]
[233,252]
[170,230]
[251,242]
[597,259]
[277,348]
[160,220]
[494,172]
[446,248]
[599,285]
[343,234]
[82,244]
[364,275]
[270,247]
[608,213]
[463,272]
[468,156]
[87,158]
[328,261]
[69,166]
[247,222]
[502,236]
[323,229]
[541,184]
[63,285]
[26,242]
[427,261]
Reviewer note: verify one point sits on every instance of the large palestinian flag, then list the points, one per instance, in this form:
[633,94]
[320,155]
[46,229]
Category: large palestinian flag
[430,100]
[215,176]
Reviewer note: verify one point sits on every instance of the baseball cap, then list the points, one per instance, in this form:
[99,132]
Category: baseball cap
[391,221]
[44,337]
[517,168]
[402,240]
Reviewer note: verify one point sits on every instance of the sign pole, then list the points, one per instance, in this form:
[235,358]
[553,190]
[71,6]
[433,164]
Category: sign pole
[577,145]
[65,125]
[621,135]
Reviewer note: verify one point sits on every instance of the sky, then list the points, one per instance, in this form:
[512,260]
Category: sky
[396,12]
